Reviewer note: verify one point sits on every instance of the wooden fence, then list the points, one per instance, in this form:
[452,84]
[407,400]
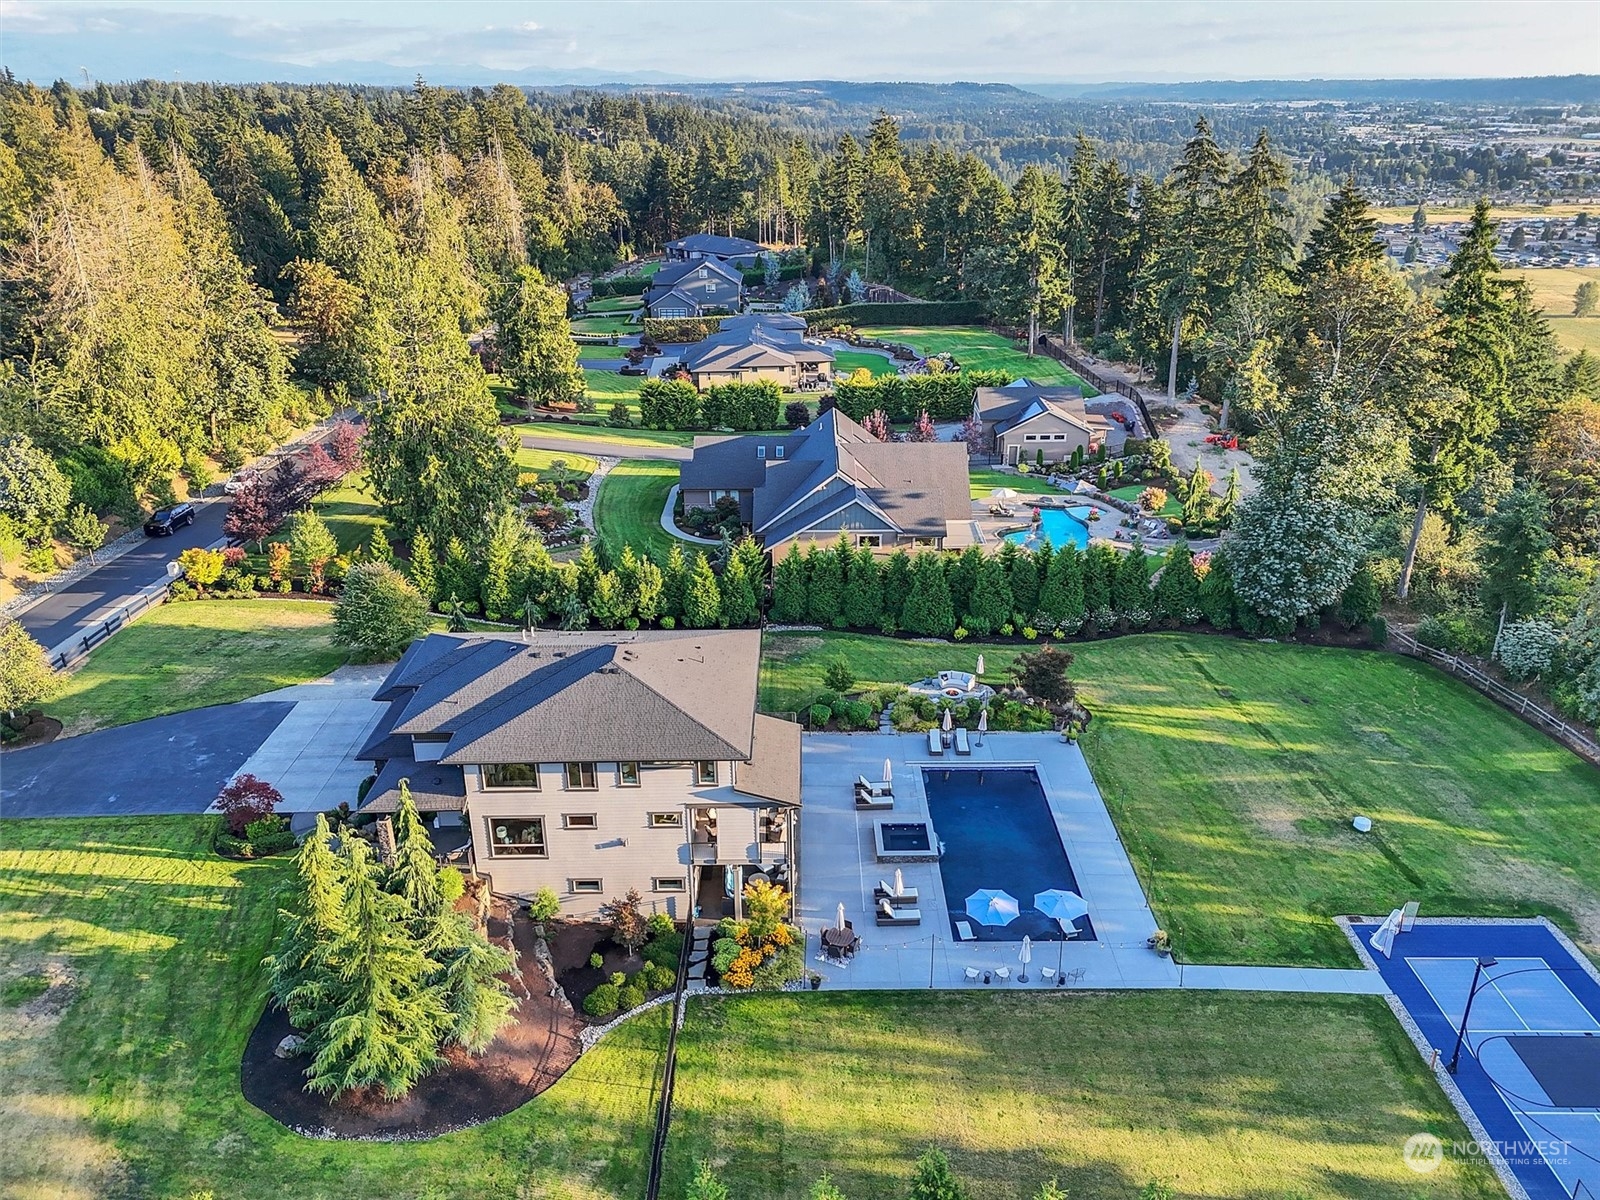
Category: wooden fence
[1569,735]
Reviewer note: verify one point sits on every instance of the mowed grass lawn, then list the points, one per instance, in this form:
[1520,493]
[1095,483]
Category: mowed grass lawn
[1172,508]
[846,361]
[543,463]
[628,510]
[187,655]
[984,480]
[1233,769]
[134,1089]
[605,387]
[1219,1095]
[594,429]
[982,350]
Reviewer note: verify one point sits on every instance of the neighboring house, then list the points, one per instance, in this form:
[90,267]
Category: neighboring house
[834,477]
[694,289]
[1023,418]
[759,346]
[592,763]
[738,252]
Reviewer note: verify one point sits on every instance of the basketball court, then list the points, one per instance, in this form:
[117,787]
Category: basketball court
[1530,1058]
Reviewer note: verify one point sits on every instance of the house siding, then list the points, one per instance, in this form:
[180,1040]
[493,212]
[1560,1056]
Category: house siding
[1014,443]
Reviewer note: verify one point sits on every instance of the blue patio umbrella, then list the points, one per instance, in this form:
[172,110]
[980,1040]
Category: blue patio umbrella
[990,906]
[1060,905]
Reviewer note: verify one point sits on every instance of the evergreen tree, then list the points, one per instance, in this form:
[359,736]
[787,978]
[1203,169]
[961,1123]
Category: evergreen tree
[1099,573]
[928,609]
[932,1178]
[651,589]
[384,1021]
[1131,595]
[534,340]
[739,604]
[674,583]
[500,584]
[789,603]
[423,571]
[825,588]
[702,599]
[964,578]
[1216,599]
[1516,550]
[1178,591]
[1061,597]
[413,876]
[991,603]
[458,576]
[476,999]
[1361,600]
[896,586]
[863,595]
[750,552]
[1345,237]
[304,980]
[1024,580]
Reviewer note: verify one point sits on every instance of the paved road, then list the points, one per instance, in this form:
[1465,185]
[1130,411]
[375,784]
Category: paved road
[173,764]
[596,447]
[79,605]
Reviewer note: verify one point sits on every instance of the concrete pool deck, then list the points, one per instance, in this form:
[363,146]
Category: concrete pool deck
[837,864]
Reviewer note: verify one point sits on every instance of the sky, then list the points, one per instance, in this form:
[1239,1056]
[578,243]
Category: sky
[998,41]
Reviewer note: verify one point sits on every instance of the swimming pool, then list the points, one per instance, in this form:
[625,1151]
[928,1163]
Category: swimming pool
[1058,526]
[997,831]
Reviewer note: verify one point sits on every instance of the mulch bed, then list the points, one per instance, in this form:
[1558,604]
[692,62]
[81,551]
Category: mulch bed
[529,1055]
[36,733]
[571,944]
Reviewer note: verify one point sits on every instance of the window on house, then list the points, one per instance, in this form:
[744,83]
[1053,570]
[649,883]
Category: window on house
[873,540]
[627,774]
[666,820]
[514,836]
[669,883]
[1030,437]
[580,821]
[511,775]
[761,451]
[777,452]
[581,777]
[586,886]
[705,772]
[925,541]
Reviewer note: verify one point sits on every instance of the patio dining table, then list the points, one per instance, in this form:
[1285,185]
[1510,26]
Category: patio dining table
[839,939]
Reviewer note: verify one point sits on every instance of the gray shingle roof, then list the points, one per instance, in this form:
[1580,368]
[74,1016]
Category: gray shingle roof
[1009,406]
[585,697]
[711,243]
[434,786]
[384,743]
[773,772]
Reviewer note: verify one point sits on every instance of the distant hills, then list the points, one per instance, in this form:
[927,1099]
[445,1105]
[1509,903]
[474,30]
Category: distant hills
[1538,89]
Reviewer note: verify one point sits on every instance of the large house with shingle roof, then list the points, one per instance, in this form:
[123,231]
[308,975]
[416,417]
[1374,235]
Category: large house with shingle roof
[592,763]
[758,346]
[740,252]
[1024,419]
[833,478]
[695,288]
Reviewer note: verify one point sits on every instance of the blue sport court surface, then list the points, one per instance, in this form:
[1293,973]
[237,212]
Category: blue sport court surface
[1530,1064]
[998,832]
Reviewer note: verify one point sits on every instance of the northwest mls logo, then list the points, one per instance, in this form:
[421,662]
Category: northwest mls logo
[1423,1153]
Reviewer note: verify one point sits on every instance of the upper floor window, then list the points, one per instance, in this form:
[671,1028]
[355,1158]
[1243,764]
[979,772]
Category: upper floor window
[761,451]
[777,451]
[705,772]
[871,540]
[581,777]
[627,774]
[511,775]
[517,835]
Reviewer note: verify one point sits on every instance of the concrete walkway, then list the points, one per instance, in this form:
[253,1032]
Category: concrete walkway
[670,527]
[309,757]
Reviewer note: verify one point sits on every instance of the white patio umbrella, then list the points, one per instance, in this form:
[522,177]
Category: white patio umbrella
[991,906]
[1060,905]
[1025,956]
[899,882]
[947,720]
[839,924]
[980,664]
[888,771]
[1003,493]
[983,722]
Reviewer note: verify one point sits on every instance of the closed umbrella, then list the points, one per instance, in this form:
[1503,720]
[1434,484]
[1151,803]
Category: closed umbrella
[840,922]
[1025,956]
[1060,905]
[899,882]
[991,906]
[947,720]
[983,723]
[888,771]
[980,664]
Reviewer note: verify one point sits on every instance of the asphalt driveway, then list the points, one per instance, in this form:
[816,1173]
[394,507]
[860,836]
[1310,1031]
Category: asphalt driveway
[173,764]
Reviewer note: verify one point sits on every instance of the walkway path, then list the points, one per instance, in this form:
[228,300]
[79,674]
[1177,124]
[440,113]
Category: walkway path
[671,526]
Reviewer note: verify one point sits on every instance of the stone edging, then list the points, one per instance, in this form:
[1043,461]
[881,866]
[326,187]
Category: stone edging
[1486,1144]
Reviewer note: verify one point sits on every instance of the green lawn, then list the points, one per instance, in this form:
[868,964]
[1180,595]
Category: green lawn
[134,1090]
[846,361]
[1233,769]
[579,466]
[187,655]
[984,480]
[628,510]
[351,511]
[1131,494]
[594,428]
[981,350]
[606,387]
[1219,1094]
[615,304]
[607,324]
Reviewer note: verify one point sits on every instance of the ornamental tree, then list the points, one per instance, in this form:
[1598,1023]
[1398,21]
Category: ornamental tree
[626,921]
[247,799]
[25,674]
[379,610]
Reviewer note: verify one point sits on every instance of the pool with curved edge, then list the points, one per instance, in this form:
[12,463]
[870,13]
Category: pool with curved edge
[1058,526]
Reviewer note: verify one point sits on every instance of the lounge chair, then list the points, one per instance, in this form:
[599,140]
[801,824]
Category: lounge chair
[867,802]
[888,914]
[970,974]
[962,745]
[1408,915]
[1002,973]
[964,932]
[1047,973]
[874,789]
[906,899]
[935,746]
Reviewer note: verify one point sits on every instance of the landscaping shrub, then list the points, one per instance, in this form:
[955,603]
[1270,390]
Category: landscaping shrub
[247,799]
[603,1001]
[659,925]
[657,977]
[1378,632]
[269,835]
[379,610]
[1527,648]
[664,950]
[623,285]
[723,951]
[682,329]
[452,885]
[631,997]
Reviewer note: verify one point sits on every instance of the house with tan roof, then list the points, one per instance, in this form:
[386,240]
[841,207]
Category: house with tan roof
[593,762]
[833,478]
[1023,419]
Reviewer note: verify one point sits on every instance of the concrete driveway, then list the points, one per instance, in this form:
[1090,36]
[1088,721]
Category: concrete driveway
[173,764]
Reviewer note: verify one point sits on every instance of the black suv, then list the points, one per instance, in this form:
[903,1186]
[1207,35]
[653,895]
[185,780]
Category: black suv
[169,520]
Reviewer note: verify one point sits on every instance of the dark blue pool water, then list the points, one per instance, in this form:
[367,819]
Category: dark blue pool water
[998,833]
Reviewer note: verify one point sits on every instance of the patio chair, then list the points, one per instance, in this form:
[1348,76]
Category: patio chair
[970,974]
[962,745]
[866,802]
[1047,973]
[935,746]
[1075,976]
[888,914]
[905,899]
[873,789]
[1002,973]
